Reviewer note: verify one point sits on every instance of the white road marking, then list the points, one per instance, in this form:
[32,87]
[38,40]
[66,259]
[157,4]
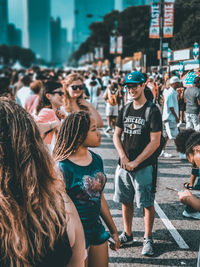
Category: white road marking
[177,237]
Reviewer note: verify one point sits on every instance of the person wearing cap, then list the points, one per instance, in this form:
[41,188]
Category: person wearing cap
[136,173]
[170,114]
[192,99]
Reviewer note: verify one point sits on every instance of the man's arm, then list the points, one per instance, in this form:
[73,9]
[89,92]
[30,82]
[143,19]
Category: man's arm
[119,147]
[147,152]
[174,113]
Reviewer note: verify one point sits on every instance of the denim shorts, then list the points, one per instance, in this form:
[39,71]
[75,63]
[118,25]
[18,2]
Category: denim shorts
[95,235]
[135,184]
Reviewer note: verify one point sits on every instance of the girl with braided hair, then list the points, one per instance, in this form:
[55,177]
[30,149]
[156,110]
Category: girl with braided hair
[74,97]
[39,226]
[85,180]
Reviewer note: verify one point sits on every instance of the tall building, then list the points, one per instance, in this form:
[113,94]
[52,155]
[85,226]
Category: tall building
[37,27]
[86,12]
[14,35]
[65,45]
[56,40]
[3,21]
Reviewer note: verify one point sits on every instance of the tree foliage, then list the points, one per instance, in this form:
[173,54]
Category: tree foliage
[133,25]
[11,54]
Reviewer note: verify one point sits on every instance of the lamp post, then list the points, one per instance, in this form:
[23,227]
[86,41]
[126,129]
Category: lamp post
[161,33]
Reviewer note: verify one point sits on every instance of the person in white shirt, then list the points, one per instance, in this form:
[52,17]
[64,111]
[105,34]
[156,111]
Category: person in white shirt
[170,115]
[25,92]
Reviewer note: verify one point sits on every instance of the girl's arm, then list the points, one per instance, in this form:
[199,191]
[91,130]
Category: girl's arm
[47,126]
[107,218]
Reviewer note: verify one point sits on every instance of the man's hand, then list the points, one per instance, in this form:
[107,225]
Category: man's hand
[131,165]
[183,196]
[123,161]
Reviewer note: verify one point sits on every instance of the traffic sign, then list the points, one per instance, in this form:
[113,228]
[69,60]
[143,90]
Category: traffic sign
[195,50]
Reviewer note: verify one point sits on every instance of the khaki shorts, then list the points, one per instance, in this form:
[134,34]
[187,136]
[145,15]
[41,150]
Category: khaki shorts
[111,110]
[136,184]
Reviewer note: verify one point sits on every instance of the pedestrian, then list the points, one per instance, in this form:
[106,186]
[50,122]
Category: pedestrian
[192,99]
[4,87]
[112,97]
[74,99]
[94,88]
[170,114]
[39,223]
[32,102]
[136,173]
[47,111]
[188,142]
[24,92]
[85,180]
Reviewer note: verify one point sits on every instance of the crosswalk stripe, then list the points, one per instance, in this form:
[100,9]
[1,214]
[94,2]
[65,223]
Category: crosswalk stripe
[175,234]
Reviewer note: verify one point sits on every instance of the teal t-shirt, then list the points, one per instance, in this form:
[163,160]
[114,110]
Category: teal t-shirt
[84,185]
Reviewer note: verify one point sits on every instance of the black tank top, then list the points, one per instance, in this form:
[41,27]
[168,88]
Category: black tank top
[59,256]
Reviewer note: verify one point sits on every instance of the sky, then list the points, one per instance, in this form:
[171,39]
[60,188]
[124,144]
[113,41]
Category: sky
[62,8]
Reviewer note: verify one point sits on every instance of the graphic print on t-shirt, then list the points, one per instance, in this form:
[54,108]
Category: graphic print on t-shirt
[92,187]
[133,125]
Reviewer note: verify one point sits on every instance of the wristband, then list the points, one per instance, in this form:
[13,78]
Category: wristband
[50,125]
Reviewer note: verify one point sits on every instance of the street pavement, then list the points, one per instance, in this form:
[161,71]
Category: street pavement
[176,239]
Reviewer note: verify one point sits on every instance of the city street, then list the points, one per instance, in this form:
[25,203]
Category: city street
[176,238]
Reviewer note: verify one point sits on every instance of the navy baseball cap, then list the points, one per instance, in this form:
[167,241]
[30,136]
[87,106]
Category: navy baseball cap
[135,77]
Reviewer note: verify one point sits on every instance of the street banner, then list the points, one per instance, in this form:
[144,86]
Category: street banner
[96,53]
[154,31]
[168,23]
[119,45]
[112,45]
[101,52]
[188,78]
[91,57]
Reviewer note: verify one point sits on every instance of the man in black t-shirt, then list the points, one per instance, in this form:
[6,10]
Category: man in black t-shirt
[137,164]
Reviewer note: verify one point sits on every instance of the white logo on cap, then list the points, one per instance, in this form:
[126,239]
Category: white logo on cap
[129,76]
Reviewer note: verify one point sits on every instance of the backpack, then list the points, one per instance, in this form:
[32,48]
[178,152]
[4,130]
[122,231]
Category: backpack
[147,117]
[112,97]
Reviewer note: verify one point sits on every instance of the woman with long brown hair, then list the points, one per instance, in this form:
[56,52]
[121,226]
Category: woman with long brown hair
[74,97]
[39,224]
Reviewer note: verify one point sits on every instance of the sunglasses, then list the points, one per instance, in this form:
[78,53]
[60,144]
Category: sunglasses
[57,92]
[76,87]
[133,86]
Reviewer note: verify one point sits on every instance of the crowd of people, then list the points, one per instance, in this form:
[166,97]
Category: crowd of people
[52,200]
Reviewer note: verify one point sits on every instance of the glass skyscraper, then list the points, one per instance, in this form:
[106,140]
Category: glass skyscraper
[86,12]
[37,27]
[3,21]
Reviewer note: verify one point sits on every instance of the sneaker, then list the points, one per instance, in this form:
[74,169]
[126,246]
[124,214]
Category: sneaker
[148,247]
[108,129]
[182,156]
[125,239]
[165,154]
[194,215]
